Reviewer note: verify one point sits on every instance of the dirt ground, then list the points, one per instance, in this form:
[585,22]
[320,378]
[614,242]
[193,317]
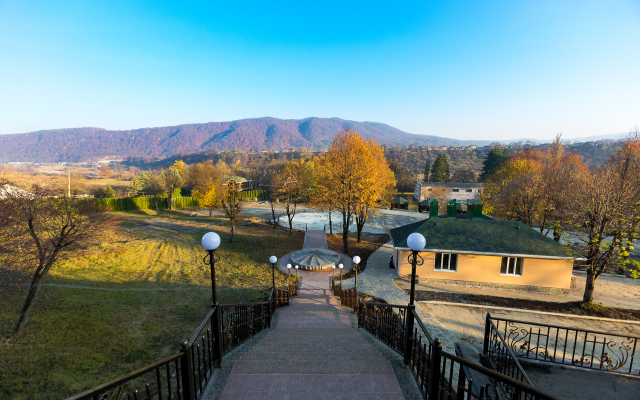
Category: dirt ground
[611,291]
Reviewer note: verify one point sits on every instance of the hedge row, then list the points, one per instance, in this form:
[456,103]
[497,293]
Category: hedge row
[250,194]
[146,202]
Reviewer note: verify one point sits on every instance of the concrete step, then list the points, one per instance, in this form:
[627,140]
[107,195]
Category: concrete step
[332,366]
[297,386]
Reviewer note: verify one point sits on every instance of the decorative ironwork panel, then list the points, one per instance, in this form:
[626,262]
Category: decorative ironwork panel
[565,345]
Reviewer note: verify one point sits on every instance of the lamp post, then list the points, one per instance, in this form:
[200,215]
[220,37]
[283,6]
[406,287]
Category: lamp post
[297,272]
[341,266]
[210,242]
[334,271]
[416,243]
[356,263]
[273,260]
[289,273]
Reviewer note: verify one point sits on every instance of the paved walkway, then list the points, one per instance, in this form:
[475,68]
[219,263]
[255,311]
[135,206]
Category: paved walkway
[315,240]
[313,353]
[377,280]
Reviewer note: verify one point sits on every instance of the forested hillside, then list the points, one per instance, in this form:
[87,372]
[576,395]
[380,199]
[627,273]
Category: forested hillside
[90,144]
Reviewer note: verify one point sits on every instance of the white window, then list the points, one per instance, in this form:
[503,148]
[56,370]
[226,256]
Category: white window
[511,266]
[446,262]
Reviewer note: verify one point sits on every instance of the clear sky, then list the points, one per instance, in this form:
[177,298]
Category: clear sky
[463,69]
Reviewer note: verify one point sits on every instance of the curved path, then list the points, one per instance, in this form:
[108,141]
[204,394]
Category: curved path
[313,353]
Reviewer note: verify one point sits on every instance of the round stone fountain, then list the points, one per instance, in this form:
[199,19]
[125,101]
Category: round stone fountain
[315,259]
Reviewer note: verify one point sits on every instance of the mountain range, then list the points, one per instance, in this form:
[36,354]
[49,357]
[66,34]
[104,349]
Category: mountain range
[91,144]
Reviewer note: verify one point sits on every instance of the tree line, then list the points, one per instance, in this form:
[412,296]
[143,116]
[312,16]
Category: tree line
[596,208]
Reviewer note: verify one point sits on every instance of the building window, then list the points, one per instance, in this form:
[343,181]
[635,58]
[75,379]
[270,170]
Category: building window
[446,262]
[469,190]
[429,189]
[511,266]
[455,190]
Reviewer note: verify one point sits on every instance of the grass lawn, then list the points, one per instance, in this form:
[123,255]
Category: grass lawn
[130,301]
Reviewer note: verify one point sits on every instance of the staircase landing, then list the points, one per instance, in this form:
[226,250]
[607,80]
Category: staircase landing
[313,353]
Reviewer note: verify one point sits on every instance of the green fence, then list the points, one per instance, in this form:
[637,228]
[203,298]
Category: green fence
[146,202]
[250,194]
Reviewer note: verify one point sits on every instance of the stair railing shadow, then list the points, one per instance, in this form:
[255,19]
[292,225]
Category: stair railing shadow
[185,375]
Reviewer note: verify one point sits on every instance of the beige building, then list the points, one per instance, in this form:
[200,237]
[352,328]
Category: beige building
[450,190]
[484,252]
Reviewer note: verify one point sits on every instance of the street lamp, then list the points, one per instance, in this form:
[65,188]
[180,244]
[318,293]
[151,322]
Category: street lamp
[356,262]
[416,243]
[297,273]
[334,271]
[273,260]
[210,242]
[340,266]
[289,273]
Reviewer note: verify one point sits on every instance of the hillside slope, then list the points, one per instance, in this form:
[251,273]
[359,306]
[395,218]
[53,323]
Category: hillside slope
[87,144]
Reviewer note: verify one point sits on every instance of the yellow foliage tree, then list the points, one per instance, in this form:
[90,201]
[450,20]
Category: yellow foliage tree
[354,175]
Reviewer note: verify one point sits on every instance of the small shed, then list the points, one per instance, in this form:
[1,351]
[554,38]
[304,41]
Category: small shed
[400,203]
[423,206]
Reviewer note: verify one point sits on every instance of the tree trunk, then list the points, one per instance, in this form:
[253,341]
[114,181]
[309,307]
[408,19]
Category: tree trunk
[360,227]
[290,224]
[345,234]
[157,209]
[589,287]
[210,212]
[28,304]
[232,236]
[170,201]
[330,224]
[273,213]
[557,234]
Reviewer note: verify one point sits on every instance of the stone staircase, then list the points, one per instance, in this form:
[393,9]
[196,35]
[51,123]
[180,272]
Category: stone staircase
[315,352]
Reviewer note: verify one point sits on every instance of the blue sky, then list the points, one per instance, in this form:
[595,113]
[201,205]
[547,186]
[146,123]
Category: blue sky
[462,69]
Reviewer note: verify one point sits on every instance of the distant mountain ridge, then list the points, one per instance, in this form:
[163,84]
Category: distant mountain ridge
[87,144]
[90,144]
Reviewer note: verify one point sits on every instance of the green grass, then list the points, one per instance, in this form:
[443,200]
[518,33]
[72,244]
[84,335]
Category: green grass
[160,291]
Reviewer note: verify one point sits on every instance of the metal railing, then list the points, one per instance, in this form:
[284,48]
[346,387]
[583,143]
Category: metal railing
[500,355]
[454,377]
[185,375]
[439,375]
[386,322]
[568,346]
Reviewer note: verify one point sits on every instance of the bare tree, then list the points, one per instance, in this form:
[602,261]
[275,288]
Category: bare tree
[607,215]
[232,204]
[41,226]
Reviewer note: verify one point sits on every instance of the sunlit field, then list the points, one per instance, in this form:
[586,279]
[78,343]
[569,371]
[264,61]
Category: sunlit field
[130,301]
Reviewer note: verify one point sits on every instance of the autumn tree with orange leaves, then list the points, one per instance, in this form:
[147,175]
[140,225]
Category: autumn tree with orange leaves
[356,177]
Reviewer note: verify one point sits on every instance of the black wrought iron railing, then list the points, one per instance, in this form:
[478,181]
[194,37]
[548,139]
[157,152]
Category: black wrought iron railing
[439,375]
[336,287]
[185,375]
[568,346]
[386,322]
[454,377]
[500,355]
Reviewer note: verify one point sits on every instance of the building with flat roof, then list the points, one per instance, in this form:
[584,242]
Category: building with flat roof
[449,190]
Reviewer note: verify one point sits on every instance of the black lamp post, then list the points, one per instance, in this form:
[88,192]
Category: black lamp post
[297,272]
[356,263]
[340,266]
[273,260]
[416,243]
[288,273]
[211,241]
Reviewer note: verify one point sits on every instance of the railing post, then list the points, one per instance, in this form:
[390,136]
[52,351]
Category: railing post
[487,333]
[407,335]
[217,336]
[434,376]
[187,372]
